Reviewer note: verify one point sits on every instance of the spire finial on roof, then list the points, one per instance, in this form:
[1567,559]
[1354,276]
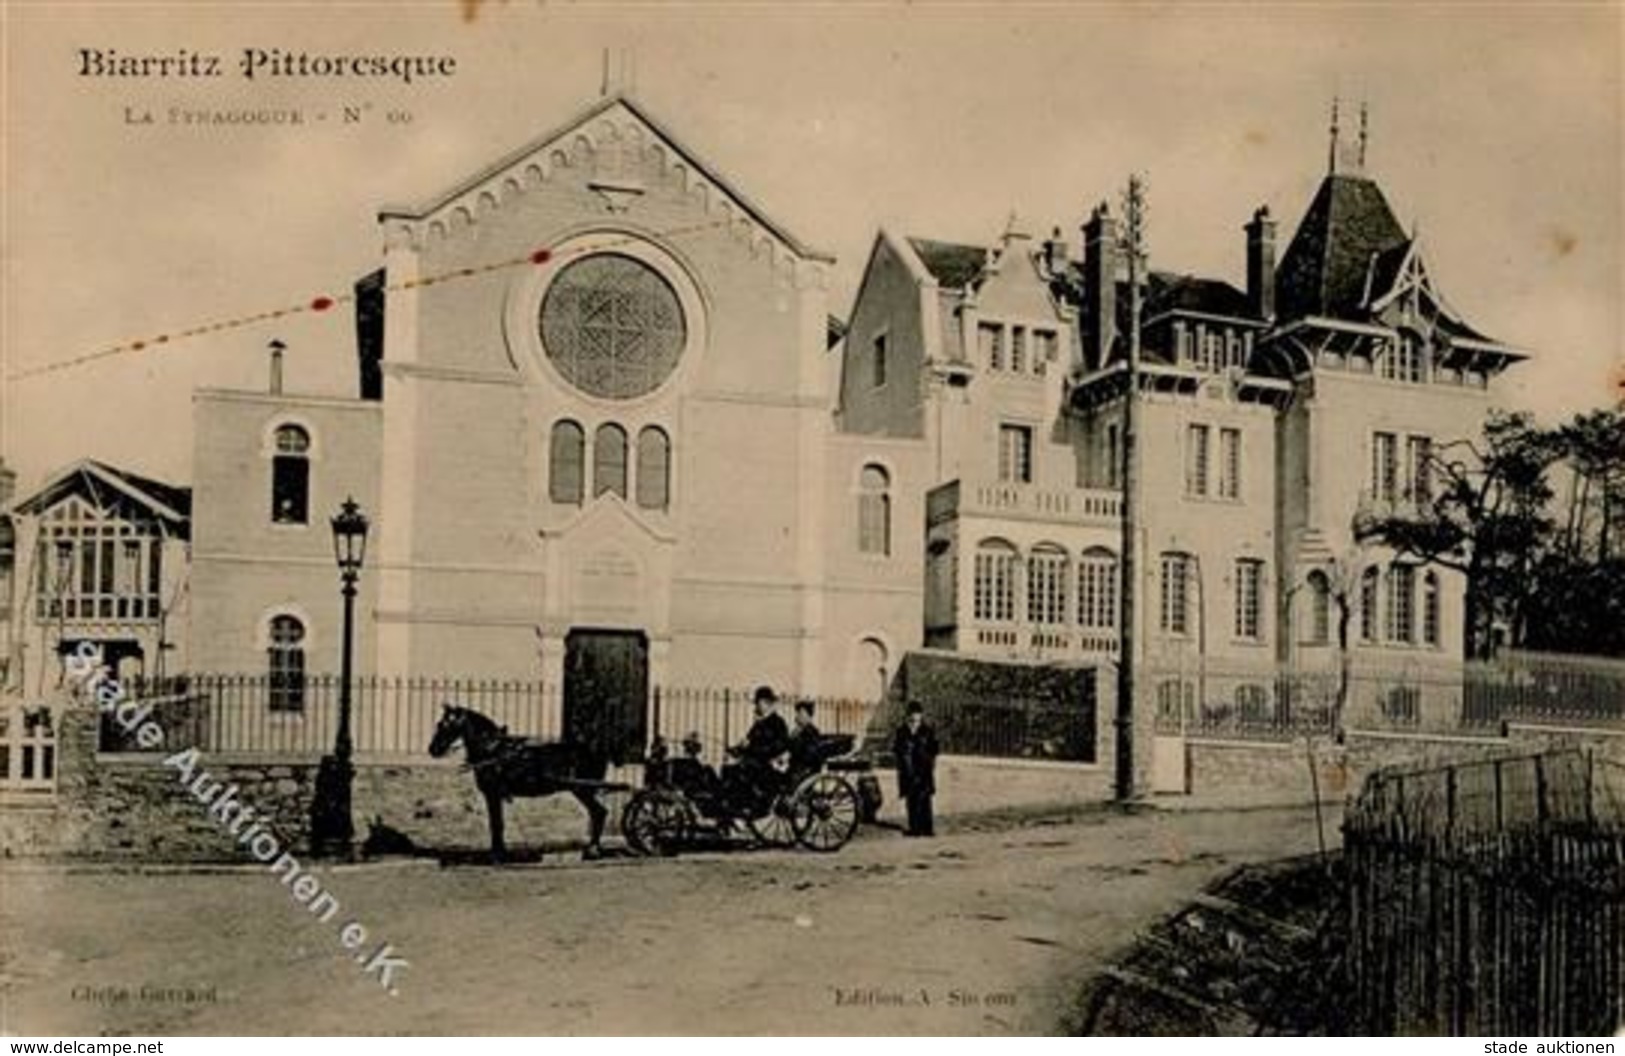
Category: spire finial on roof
[1362,134]
[623,78]
[1331,154]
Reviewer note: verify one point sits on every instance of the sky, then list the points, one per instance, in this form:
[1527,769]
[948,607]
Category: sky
[1495,131]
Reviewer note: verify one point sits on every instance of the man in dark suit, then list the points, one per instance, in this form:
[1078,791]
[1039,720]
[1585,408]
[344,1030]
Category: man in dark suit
[915,749]
[759,754]
[805,740]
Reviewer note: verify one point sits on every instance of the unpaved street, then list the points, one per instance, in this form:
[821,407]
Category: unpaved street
[985,930]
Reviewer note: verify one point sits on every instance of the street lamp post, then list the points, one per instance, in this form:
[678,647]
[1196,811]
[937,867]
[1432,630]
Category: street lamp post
[332,829]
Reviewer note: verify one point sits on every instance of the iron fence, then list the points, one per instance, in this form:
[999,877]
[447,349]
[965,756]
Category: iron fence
[1488,898]
[260,714]
[1263,700]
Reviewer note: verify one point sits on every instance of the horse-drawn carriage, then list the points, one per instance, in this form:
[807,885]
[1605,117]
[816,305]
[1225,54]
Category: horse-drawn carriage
[814,803]
[817,802]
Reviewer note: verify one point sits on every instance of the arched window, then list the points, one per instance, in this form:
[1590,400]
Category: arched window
[994,588]
[654,468]
[285,663]
[1368,605]
[871,669]
[1430,609]
[290,476]
[609,460]
[1320,608]
[874,511]
[1097,589]
[1046,585]
[566,457]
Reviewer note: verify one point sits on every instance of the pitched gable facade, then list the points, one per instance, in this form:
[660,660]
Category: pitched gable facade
[596,449]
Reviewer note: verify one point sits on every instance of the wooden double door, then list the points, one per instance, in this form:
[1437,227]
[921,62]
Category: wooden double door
[606,691]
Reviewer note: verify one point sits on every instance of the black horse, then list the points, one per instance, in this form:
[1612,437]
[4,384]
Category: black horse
[506,766]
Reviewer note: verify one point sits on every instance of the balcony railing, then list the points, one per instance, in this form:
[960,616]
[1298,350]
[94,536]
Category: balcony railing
[1027,501]
[1040,641]
[1373,507]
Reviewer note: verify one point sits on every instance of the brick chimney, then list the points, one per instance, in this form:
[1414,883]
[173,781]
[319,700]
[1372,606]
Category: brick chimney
[1100,257]
[1261,263]
[1057,254]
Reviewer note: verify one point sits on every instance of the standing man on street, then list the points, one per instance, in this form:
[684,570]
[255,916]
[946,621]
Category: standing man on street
[915,749]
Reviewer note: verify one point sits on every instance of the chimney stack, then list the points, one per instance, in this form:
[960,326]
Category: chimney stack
[277,348]
[1261,263]
[1057,255]
[1101,251]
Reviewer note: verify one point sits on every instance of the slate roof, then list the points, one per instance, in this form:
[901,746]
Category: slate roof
[1323,271]
[176,498]
[1167,292]
[952,264]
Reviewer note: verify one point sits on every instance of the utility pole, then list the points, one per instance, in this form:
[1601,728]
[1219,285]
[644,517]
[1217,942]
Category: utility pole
[1134,244]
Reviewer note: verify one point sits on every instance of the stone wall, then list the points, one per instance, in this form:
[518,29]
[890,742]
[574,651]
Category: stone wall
[133,807]
[1220,772]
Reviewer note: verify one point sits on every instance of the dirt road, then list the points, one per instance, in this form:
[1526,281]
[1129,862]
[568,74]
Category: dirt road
[985,930]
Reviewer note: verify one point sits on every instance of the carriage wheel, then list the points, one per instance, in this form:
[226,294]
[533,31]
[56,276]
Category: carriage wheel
[826,812]
[776,828]
[657,822]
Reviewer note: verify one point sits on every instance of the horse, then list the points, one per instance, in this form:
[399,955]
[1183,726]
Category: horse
[506,765]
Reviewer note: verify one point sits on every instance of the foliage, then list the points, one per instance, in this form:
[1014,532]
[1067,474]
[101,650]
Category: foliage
[1530,517]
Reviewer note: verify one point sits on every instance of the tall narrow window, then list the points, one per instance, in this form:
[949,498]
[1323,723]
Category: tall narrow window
[1113,475]
[1229,463]
[1046,585]
[654,468]
[1016,453]
[1018,349]
[1320,608]
[994,588]
[1249,599]
[1384,467]
[1196,460]
[1430,609]
[1368,605]
[1097,589]
[878,374]
[874,511]
[1176,599]
[286,664]
[290,476]
[1419,466]
[990,342]
[1401,603]
[609,460]
[566,458]
[1044,349]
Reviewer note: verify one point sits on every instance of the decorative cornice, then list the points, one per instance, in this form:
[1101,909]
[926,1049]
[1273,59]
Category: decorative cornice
[619,146]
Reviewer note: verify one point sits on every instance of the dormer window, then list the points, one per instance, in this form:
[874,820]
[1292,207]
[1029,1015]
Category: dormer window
[990,342]
[1405,358]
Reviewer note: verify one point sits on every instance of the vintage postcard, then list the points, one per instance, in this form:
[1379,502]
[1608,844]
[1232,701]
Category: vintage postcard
[890,519]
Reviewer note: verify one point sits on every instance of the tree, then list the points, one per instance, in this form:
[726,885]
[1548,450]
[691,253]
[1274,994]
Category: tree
[1487,515]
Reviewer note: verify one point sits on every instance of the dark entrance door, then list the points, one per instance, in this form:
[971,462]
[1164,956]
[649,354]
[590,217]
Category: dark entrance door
[606,691]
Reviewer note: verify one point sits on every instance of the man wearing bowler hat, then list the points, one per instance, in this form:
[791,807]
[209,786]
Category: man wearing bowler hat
[915,749]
